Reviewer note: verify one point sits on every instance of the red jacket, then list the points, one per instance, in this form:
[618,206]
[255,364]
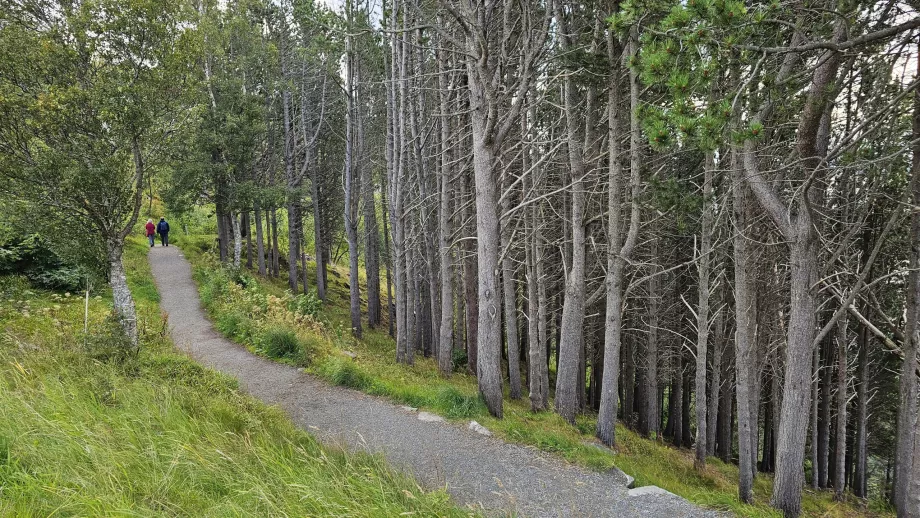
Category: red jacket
[151,230]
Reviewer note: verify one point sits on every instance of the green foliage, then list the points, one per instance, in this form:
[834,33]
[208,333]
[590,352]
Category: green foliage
[31,256]
[306,304]
[279,343]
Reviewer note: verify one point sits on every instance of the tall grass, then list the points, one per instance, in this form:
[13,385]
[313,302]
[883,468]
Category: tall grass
[157,434]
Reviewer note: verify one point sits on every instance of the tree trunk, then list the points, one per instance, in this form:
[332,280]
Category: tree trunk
[824,415]
[276,259]
[470,284]
[744,340]
[446,342]
[650,376]
[122,300]
[702,320]
[488,243]
[715,386]
[907,408]
[860,485]
[237,240]
[248,235]
[842,401]
[260,240]
[619,248]
[351,194]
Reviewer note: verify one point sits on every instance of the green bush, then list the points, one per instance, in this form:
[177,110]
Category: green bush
[234,324]
[459,359]
[280,343]
[305,304]
[344,372]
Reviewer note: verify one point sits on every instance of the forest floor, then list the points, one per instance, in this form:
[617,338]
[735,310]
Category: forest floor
[478,471]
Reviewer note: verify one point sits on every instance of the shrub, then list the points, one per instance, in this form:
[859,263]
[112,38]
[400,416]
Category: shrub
[305,304]
[108,342]
[280,343]
[459,359]
[344,372]
[233,324]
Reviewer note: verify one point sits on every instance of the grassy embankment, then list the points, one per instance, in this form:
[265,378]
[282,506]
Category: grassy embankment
[258,312]
[86,432]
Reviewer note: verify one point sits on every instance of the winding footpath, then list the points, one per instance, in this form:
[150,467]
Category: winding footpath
[478,471]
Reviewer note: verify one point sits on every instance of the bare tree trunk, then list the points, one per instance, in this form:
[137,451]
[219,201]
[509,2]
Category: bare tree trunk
[651,350]
[842,401]
[260,241]
[571,348]
[351,194]
[470,284]
[248,235]
[538,363]
[237,240]
[906,497]
[907,477]
[446,345]
[715,386]
[372,239]
[744,340]
[276,259]
[815,430]
[702,320]
[121,294]
[489,335]
[860,485]
[509,305]
[619,248]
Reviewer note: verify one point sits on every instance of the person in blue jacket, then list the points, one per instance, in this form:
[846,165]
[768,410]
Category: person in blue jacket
[163,230]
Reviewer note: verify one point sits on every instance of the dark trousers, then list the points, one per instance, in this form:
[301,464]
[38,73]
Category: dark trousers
[164,238]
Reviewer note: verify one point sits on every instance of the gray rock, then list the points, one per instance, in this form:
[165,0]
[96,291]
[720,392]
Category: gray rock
[350,354]
[478,428]
[408,408]
[650,490]
[430,418]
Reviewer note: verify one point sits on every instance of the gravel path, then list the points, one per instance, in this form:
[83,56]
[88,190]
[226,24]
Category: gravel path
[478,471]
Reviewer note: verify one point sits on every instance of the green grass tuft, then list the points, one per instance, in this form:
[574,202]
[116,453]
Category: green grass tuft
[280,343]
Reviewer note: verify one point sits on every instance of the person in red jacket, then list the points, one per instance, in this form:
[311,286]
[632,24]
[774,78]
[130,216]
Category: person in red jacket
[151,231]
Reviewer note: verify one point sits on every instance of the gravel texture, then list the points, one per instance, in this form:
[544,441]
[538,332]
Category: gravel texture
[478,471]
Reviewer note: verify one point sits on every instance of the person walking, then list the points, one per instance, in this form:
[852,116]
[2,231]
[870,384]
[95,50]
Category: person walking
[163,230]
[151,230]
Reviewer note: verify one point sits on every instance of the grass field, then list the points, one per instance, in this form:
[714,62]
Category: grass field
[86,430]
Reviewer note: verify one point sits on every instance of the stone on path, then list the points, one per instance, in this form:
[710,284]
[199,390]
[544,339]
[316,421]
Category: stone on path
[650,490]
[430,418]
[478,428]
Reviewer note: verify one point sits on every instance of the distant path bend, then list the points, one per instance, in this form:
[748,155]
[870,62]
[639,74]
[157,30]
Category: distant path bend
[478,471]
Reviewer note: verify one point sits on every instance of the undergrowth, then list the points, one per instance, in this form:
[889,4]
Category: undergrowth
[84,433]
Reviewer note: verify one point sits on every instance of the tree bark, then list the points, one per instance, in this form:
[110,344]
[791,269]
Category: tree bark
[260,240]
[842,401]
[908,387]
[744,339]
[702,320]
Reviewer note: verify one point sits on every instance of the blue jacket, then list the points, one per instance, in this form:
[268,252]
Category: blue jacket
[162,227]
